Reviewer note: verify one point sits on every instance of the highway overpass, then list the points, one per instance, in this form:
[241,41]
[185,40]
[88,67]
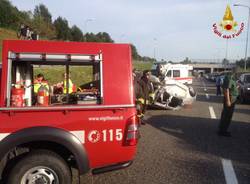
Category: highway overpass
[211,67]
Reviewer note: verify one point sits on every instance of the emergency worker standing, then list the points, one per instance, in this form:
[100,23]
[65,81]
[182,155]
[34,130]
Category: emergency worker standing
[22,32]
[137,87]
[70,87]
[62,86]
[230,91]
[218,85]
[39,84]
[146,85]
[145,89]
[40,81]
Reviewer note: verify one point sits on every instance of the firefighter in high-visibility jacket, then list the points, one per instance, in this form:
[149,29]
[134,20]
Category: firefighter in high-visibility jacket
[70,85]
[61,87]
[40,81]
[70,88]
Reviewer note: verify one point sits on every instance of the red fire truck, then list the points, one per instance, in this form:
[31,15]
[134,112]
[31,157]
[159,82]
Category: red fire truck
[45,134]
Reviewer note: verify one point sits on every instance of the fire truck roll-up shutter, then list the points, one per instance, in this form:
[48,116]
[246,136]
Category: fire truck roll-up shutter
[47,134]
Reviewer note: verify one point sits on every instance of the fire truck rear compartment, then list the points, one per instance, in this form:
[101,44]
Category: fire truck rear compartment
[23,71]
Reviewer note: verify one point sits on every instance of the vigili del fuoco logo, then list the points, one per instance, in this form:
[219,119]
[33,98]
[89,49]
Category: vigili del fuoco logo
[228,28]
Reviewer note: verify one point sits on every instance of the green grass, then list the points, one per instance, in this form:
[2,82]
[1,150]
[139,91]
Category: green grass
[79,75]
[6,34]
[55,74]
[142,65]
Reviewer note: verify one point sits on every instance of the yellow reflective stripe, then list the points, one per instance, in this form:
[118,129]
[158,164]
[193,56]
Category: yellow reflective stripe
[140,115]
[140,100]
[36,87]
[151,94]
[70,86]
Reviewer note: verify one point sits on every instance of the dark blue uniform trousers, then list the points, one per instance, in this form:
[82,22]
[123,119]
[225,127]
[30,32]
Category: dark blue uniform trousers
[226,117]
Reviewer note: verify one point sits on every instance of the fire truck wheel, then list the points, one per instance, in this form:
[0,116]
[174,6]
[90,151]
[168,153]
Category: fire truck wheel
[40,166]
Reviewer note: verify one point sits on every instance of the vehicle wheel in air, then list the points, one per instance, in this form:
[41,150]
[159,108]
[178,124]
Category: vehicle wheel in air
[40,166]
[192,92]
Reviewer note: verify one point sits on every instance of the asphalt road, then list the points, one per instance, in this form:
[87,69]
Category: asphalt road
[182,147]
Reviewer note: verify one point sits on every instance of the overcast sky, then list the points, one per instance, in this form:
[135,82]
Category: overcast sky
[170,30]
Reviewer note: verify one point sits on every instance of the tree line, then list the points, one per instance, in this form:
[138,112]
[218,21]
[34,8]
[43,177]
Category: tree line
[40,20]
[241,63]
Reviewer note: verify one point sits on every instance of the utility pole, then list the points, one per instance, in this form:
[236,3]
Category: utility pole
[155,48]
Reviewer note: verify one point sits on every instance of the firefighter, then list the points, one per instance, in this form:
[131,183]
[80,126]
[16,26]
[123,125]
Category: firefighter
[144,92]
[62,86]
[22,32]
[138,93]
[136,80]
[218,85]
[71,85]
[40,84]
[230,91]
[34,36]
[40,81]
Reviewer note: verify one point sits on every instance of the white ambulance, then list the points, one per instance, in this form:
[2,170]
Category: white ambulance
[179,72]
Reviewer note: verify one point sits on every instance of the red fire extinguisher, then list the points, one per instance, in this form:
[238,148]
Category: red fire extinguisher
[43,96]
[17,96]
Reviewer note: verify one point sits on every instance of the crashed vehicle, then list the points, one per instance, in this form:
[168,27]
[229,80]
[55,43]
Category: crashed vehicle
[171,94]
[168,93]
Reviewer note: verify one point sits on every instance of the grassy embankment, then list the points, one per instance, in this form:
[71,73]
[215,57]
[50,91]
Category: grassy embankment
[78,75]
[6,34]
[142,65]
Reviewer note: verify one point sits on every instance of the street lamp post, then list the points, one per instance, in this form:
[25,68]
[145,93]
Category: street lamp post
[245,67]
[155,40]
[85,27]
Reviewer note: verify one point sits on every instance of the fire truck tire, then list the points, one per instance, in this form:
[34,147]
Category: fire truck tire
[40,166]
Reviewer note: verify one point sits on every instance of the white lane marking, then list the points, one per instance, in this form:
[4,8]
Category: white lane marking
[229,171]
[212,113]
[207,96]
[3,135]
